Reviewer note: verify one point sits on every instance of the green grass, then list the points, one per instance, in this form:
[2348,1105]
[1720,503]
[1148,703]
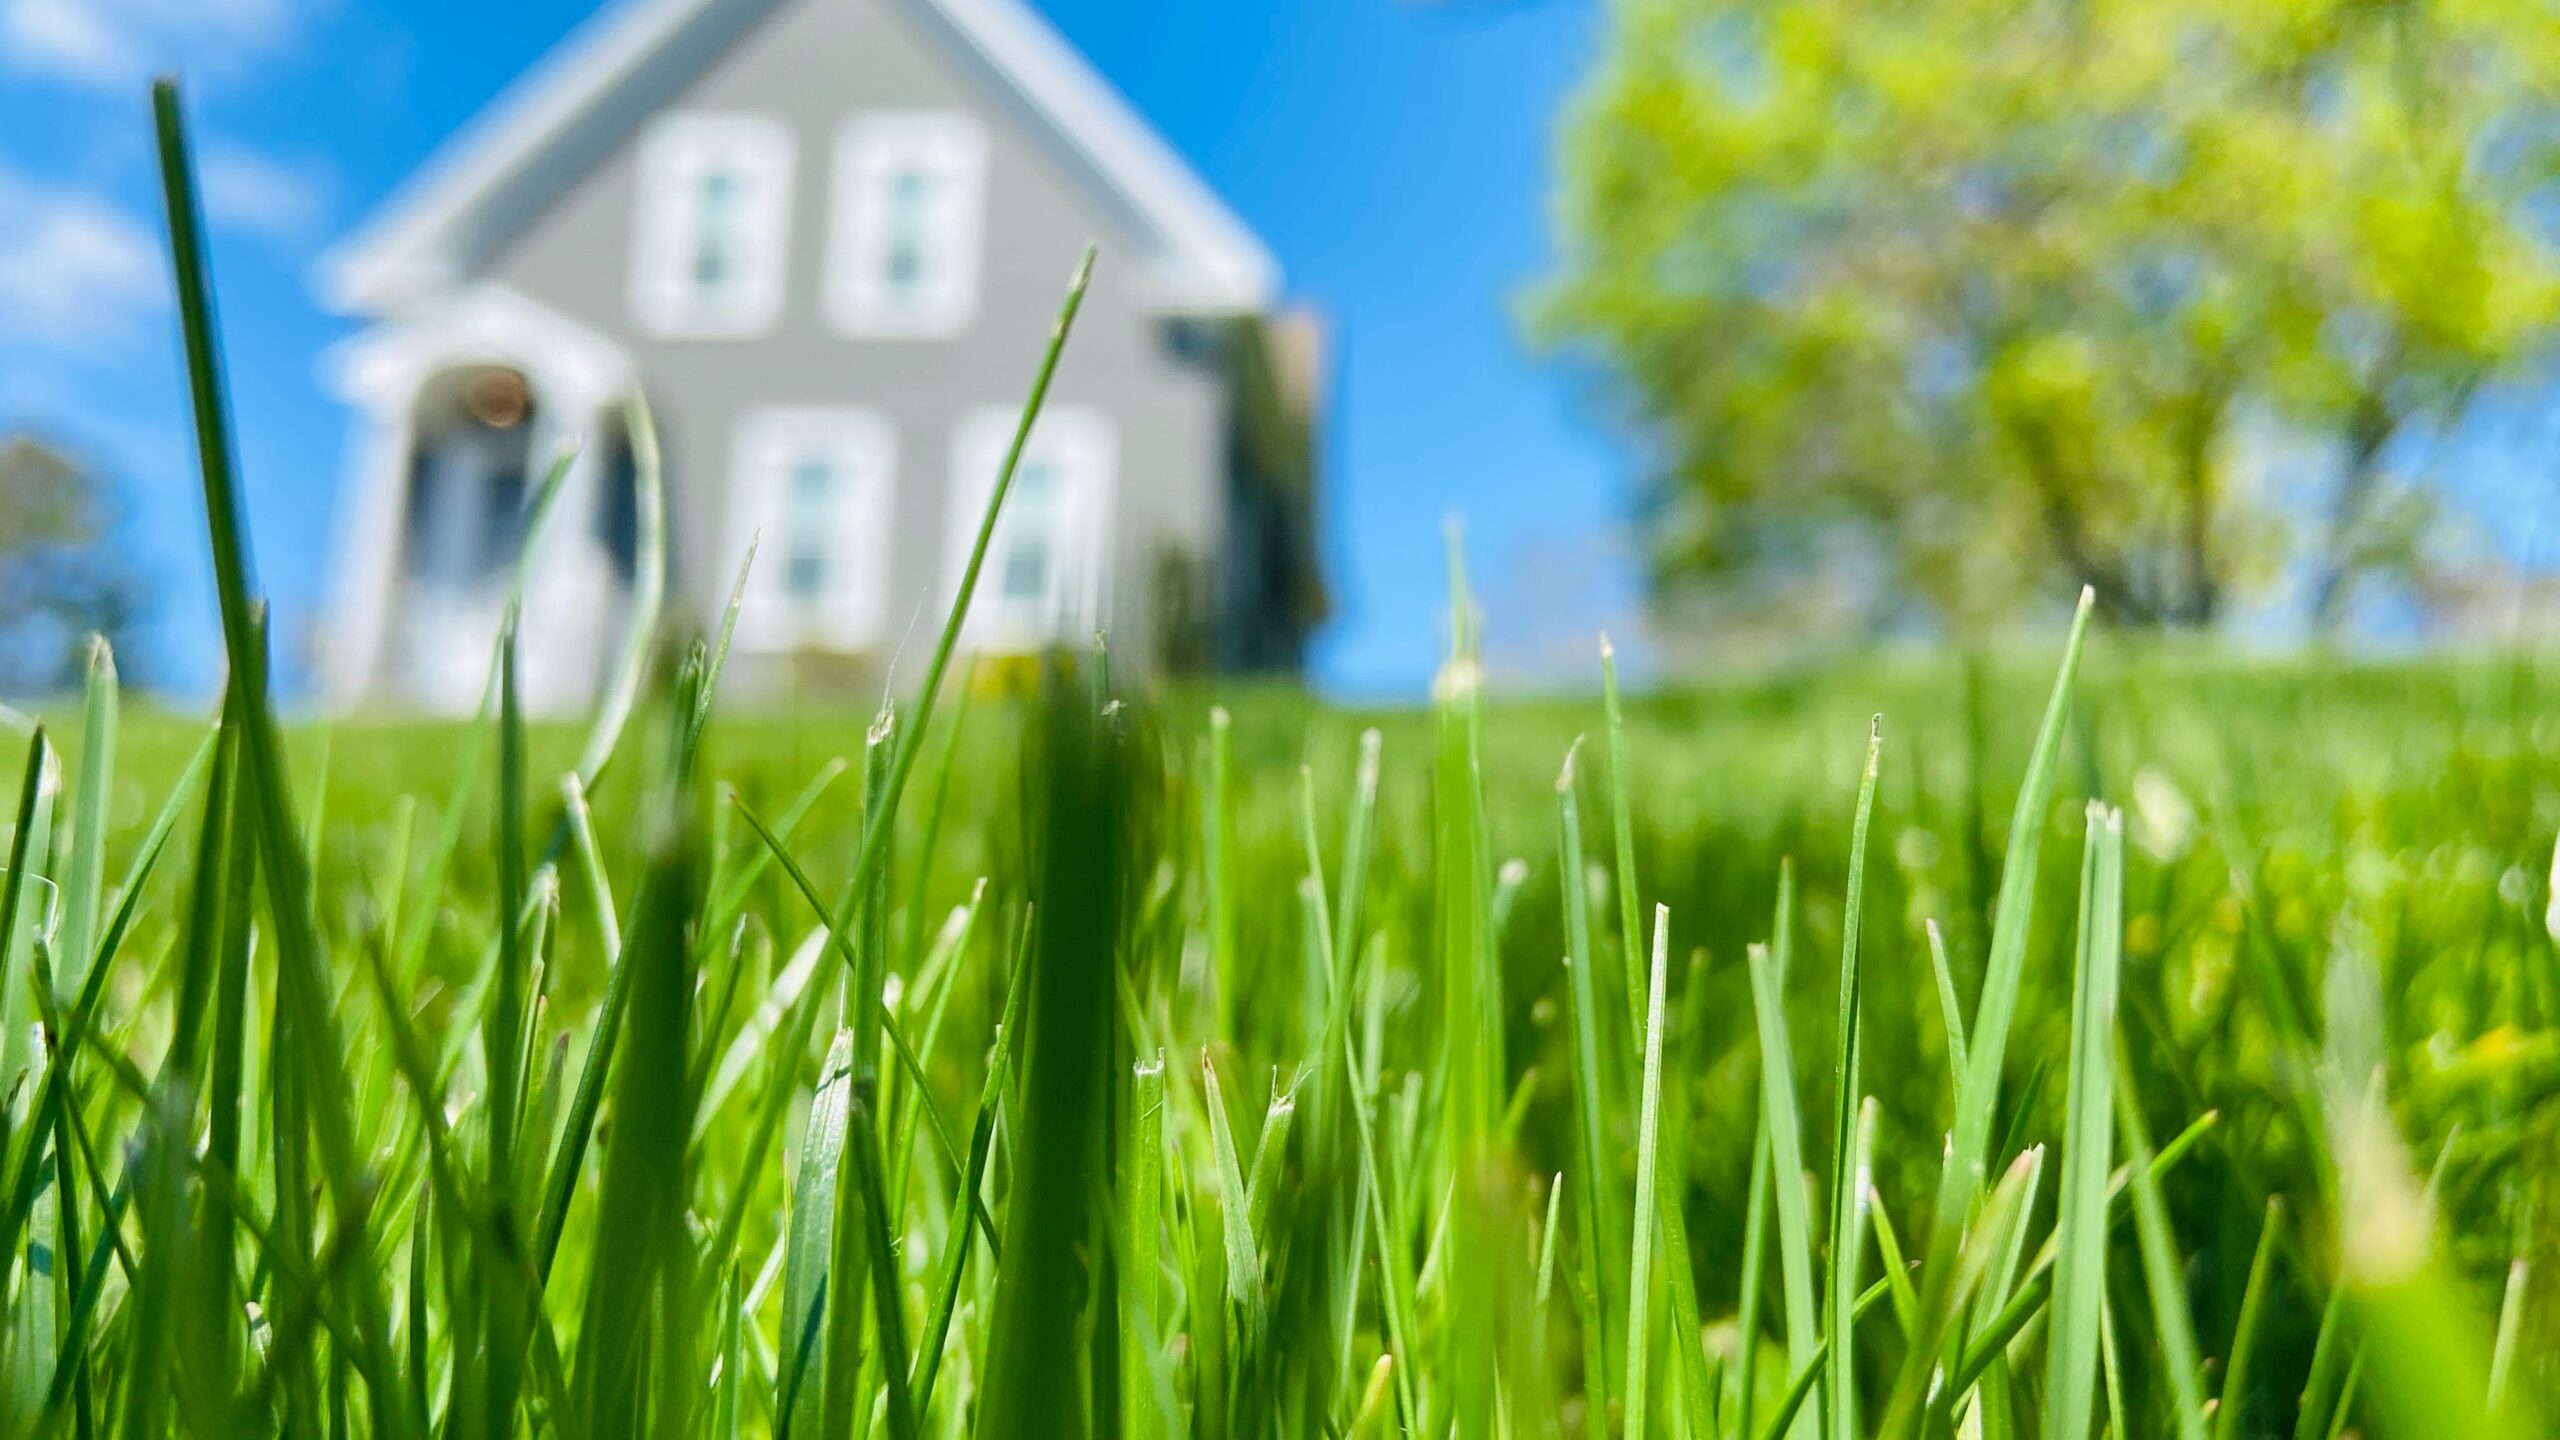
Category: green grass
[1082,1060]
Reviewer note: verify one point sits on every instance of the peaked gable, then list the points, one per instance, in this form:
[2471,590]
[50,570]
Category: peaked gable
[591,93]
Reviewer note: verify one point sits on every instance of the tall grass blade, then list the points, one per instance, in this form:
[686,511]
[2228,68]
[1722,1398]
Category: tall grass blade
[639,1301]
[810,1246]
[1087,842]
[302,983]
[1591,1091]
[1622,830]
[1786,1156]
[2244,1338]
[2502,1351]
[648,594]
[23,893]
[878,824]
[93,794]
[2162,1272]
[1960,1183]
[1639,1398]
[1140,1220]
[1848,1227]
[2080,1225]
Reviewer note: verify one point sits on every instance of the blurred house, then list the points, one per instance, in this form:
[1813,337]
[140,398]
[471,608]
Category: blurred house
[826,239]
[2487,604]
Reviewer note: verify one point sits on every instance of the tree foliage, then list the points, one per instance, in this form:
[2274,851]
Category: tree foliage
[62,575]
[1963,299]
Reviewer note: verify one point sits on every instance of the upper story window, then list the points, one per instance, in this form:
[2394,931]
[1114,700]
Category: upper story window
[1047,565]
[711,240]
[910,195]
[816,484]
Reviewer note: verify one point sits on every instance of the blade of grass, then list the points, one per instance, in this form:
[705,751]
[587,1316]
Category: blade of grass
[2502,1351]
[641,1212]
[1786,1155]
[1848,1228]
[503,1050]
[2161,1270]
[2320,1389]
[812,1226]
[1217,862]
[1897,1272]
[28,845]
[1546,1268]
[302,970]
[1950,1009]
[794,1026]
[2425,1353]
[1960,1182]
[1599,1188]
[2253,1299]
[1622,831]
[1140,1216]
[1755,1266]
[84,877]
[1639,1287]
[1801,1385]
[888,1312]
[881,1019]
[2080,1225]
[649,579]
[1090,848]
[877,823]
[1244,1258]
[2030,1297]
[1639,1398]
[1697,1376]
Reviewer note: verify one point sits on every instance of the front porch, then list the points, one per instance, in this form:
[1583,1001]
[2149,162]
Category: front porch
[460,414]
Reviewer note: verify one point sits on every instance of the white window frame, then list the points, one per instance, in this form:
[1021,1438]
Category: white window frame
[871,150]
[769,447]
[1082,448]
[675,155]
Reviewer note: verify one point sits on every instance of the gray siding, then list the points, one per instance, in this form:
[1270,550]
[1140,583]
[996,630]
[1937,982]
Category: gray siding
[811,64]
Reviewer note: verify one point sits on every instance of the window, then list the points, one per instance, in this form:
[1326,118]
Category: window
[909,195]
[709,247]
[1046,571]
[816,486]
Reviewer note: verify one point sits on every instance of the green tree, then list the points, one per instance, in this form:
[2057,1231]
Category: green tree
[63,575]
[1964,298]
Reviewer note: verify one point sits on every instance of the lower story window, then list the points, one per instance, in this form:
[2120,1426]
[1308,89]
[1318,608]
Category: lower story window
[816,485]
[1047,568]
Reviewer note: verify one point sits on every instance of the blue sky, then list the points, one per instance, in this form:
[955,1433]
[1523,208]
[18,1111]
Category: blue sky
[1394,153]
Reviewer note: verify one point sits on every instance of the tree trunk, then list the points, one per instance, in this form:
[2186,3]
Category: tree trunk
[2368,430]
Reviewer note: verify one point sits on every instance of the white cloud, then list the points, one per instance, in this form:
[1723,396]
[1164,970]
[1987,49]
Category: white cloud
[116,44]
[260,194]
[76,272]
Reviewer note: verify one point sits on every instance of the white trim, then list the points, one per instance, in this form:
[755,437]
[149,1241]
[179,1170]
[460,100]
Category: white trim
[559,120]
[681,155]
[1077,449]
[846,544]
[571,366]
[874,153]
[365,561]
[1213,261]
[420,239]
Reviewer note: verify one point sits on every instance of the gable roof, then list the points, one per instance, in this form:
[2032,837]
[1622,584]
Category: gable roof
[566,114]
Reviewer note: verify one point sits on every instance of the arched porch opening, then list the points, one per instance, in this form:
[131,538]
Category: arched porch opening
[461,412]
[472,472]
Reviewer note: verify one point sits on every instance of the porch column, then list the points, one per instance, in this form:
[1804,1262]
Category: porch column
[366,569]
